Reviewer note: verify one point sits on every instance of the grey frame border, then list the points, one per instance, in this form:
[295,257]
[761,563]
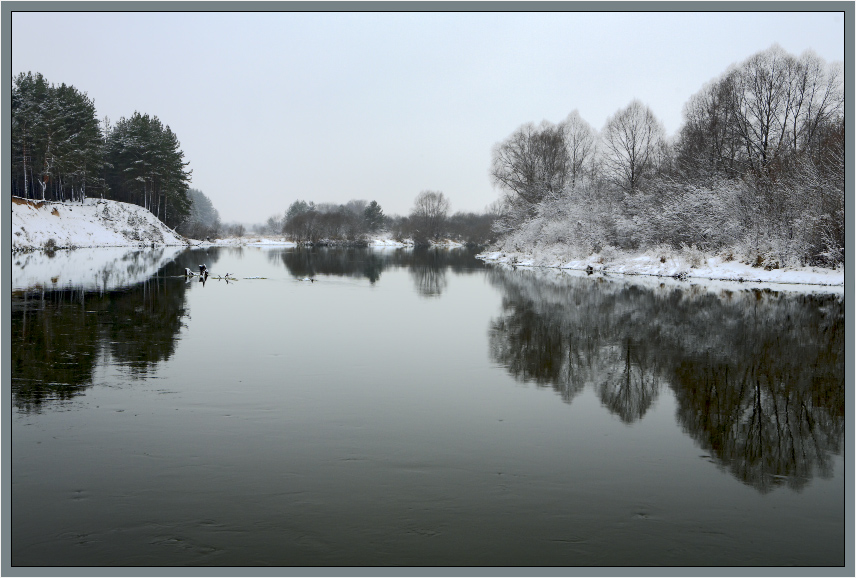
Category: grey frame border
[8,7]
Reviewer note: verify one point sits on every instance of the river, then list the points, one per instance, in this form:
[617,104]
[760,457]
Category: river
[418,408]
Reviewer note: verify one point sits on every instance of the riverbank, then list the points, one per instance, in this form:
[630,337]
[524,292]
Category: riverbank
[672,264]
[91,223]
[38,225]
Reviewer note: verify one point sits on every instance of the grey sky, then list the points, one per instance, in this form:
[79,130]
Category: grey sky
[272,107]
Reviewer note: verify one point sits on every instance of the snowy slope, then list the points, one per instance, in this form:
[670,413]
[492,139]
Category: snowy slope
[93,223]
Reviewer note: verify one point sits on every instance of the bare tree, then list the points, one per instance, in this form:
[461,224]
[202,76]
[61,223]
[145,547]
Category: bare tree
[708,141]
[532,163]
[632,143]
[763,102]
[429,214]
[817,96]
[760,114]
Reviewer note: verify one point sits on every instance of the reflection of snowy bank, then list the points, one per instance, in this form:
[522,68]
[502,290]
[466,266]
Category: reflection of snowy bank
[676,264]
[377,241]
[92,223]
[246,241]
[101,269]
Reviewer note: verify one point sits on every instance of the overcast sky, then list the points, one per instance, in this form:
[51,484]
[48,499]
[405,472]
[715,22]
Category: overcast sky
[274,107]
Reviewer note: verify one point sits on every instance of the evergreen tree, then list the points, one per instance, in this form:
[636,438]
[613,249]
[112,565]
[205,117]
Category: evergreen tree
[56,139]
[146,167]
[373,217]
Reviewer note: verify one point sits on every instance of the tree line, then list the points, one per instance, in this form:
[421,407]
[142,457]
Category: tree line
[756,171]
[353,222]
[61,152]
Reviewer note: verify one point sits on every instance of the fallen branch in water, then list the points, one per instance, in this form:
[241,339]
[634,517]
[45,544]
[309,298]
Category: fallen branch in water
[188,274]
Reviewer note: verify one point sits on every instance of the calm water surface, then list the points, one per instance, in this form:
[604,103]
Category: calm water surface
[418,408]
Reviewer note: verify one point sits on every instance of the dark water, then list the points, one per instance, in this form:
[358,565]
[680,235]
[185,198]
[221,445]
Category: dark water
[417,408]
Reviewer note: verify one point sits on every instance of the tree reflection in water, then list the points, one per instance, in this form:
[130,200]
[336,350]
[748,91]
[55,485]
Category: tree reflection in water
[758,376]
[428,266]
[629,388]
[59,336]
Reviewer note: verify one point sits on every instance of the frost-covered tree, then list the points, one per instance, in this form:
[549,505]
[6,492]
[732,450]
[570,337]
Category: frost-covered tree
[632,144]
[756,173]
[580,143]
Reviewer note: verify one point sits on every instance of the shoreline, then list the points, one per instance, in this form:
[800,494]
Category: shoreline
[711,269]
[96,223]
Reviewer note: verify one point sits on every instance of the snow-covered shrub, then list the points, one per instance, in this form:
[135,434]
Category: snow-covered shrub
[676,214]
[607,254]
[693,255]
[661,252]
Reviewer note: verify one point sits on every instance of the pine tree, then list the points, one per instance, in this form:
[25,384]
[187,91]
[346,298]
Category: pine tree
[373,216]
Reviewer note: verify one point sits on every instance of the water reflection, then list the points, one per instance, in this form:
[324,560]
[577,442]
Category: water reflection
[427,266]
[357,262]
[758,376]
[59,336]
[103,269]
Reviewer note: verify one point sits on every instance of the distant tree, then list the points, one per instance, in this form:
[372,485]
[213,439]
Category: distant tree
[274,225]
[203,220]
[302,227]
[633,141]
[235,230]
[298,207]
[429,213]
[471,228]
[356,206]
[373,217]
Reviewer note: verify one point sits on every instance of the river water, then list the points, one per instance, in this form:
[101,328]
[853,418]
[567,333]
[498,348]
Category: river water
[419,408]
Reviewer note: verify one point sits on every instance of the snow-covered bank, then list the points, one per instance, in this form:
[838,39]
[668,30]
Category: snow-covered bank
[682,265]
[98,269]
[92,223]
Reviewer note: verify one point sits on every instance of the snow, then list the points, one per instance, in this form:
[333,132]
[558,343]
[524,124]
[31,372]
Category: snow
[92,223]
[385,241]
[98,269]
[677,264]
